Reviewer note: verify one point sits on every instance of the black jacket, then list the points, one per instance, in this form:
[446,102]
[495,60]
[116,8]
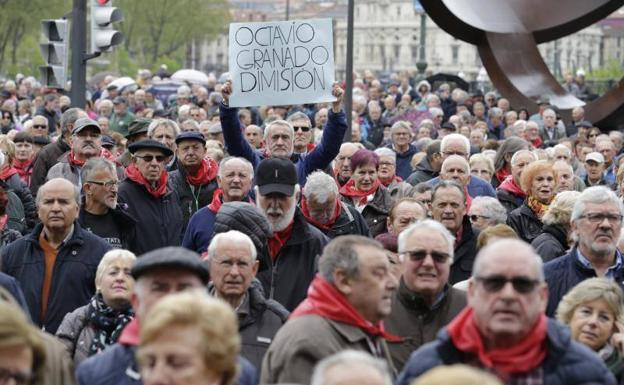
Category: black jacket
[23,193]
[159,220]
[376,211]
[465,253]
[525,223]
[45,159]
[422,173]
[190,199]
[509,201]
[125,223]
[247,219]
[551,243]
[349,222]
[73,280]
[286,279]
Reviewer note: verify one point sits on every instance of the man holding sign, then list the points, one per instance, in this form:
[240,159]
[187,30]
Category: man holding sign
[279,137]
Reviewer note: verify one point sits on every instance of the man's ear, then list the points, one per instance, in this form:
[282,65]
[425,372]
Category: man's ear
[342,282]
[255,266]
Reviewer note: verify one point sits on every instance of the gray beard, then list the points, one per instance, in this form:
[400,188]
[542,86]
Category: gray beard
[282,223]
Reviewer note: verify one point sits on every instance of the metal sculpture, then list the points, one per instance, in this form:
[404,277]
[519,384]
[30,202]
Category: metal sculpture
[507,32]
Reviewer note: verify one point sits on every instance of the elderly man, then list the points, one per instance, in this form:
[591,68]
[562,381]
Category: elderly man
[401,134]
[457,169]
[402,214]
[448,207]
[387,174]
[496,126]
[195,179]
[595,167]
[596,224]
[457,144]
[158,273]
[607,149]
[279,137]
[100,213]
[322,207]
[342,168]
[39,126]
[551,132]
[51,111]
[56,263]
[429,167]
[149,198]
[578,116]
[295,245]
[215,132]
[351,367]
[509,193]
[344,308]
[424,302]
[302,141]
[485,212]
[137,131]
[165,131]
[504,328]
[233,267]
[253,136]
[566,180]
[49,155]
[234,180]
[121,118]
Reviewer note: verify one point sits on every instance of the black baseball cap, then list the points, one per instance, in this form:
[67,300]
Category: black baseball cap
[149,143]
[448,126]
[120,100]
[191,135]
[172,257]
[108,142]
[276,175]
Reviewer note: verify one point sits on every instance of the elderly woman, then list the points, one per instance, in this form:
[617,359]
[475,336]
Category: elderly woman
[593,309]
[555,237]
[24,154]
[502,162]
[10,176]
[539,182]
[189,338]
[485,212]
[387,174]
[366,193]
[482,167]
[91,328]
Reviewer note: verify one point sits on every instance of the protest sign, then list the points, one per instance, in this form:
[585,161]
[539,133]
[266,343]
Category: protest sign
[281,62]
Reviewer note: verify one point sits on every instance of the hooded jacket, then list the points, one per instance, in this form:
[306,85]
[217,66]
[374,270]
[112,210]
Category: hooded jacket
[422,173]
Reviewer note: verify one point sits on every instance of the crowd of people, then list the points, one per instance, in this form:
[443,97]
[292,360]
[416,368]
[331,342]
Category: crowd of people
[452,239]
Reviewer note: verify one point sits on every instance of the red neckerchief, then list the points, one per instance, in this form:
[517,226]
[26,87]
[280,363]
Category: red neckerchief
[23,168]
[7,171]
[326,301]
[104,153]
[396,178]
[217,201]
[350,191]
[509,185]
[468,199]
[3,221]
[133,173]
[537,143]
[325,226]
[310,147]
[502,174]
[520,358]
[278,240]
[207,172]
[130,334]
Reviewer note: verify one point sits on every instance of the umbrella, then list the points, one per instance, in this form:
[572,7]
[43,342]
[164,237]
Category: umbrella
[123,82]
[98,77]
[191,76]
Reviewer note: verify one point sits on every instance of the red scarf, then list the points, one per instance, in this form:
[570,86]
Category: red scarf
[207,172]
[278,240]
[7,171]
[71,158]
[502,174]
[133,173]
[23,169]
[396,178]
[537,142]
[130,334]
[520,358]
[350,191]
[509,185]
[326,301]
[325,226]
[217,201]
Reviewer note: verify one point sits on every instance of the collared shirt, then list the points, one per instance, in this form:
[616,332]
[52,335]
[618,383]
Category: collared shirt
[611,271]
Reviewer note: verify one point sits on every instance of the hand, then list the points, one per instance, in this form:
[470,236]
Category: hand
[338,92]
[617,338]
[226,91]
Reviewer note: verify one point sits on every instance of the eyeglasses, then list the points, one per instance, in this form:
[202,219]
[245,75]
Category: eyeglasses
[108,184]
[475,217]
[449,153]
[19,378]
[302,128]
[495,283]
[420,255]
[149,158]
[599,217]
[40,126]
[389,164]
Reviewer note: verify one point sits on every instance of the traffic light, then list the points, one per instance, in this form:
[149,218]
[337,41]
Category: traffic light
[103,35]
[55,52]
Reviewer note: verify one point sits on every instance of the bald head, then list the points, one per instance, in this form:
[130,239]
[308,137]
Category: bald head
[58,205]
[496,252]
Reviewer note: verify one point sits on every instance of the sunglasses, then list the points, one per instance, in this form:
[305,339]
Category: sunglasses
[495,283]
[420,255]
[40,126]
[302,128]
[149,158]
[475,218]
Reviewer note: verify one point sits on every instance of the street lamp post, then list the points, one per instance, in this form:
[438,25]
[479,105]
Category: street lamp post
[348,100]
[421,65]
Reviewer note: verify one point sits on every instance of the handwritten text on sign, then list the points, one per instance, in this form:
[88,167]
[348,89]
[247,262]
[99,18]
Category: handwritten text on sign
[281,63]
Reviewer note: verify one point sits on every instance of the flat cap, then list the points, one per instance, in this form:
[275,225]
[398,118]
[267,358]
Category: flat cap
[120,100]
[149,143]
[138,126]
[191,135]
[172,257]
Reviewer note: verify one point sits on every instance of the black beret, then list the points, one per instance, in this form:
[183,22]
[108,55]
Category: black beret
[172,257]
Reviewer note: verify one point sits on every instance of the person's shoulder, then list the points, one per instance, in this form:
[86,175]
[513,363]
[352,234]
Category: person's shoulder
[421,360]
[105,368]
[558,263]
[303,330]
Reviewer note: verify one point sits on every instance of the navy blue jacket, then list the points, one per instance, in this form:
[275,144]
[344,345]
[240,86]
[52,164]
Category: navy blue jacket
[117,366]
[199,230]
[477,187]
[73,279]
[318,159]
[565,272]
[403,161]
[12,286]
[567,362]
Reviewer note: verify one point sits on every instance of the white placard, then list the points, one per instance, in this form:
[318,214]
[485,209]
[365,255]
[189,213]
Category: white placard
[281,62]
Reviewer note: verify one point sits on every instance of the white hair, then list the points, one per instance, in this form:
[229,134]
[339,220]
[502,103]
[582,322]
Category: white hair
[230,158]
[435,111]
[321,186]
[428,225]
[451,158]
[163,122]
[518,153]
[596,195]
[400,124]
[492,208]
[232,237]
[279,122]
[346,357]
[385,151]
[109,258]
[459,137]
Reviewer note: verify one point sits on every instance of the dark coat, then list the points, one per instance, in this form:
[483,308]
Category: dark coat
[191,198]
[12,286]
[465,253]
[551,243]
[286,279]
[125,223]
[45,159]
[349,222]
[418,323]
[376,211]
[567,362]
[53,117]
[73,281]
[509,201]
[20,189]
[403,161]
[565,272]
[422,173]
[159,220]
[525,223]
